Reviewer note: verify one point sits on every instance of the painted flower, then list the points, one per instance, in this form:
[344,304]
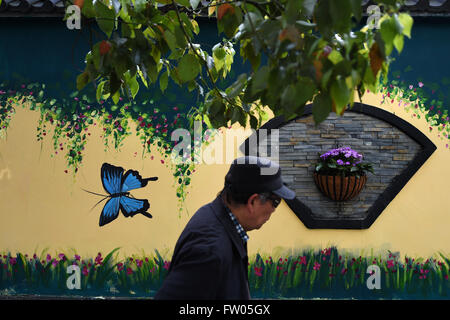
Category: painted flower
[85,271]
[258,271]
[420,84]
[166,265]
[316,266]
[129,271]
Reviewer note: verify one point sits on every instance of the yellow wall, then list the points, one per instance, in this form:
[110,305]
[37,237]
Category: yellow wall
[41,206]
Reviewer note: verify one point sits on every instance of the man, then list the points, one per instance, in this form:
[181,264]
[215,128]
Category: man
[210,258]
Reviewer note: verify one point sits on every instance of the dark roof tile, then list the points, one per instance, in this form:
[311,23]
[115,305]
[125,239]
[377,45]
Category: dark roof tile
[18,8]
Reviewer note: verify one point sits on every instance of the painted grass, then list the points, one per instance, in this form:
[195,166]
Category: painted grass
[312,274]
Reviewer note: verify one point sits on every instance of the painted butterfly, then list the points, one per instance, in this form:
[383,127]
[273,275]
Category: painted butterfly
[118,185]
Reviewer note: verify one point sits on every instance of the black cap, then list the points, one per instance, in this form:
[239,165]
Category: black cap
[257,175]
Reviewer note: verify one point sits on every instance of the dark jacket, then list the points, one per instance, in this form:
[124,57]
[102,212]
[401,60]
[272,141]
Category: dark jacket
[210,259]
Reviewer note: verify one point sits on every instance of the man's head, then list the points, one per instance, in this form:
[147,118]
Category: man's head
[253,189]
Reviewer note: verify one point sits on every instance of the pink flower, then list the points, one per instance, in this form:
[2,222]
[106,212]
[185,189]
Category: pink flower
[120,266]
[316,266]
[85,271]
[390,264]
[98,259]
[12,261]
[302,260]
[411,86]
[129,271]
[166,265]
[258,271]
[139,263]
[344,271]
[54,262]
[420,84]
[49,258]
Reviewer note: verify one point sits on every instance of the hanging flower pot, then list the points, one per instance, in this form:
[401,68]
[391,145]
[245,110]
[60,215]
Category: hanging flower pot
[340,188]
[340,174]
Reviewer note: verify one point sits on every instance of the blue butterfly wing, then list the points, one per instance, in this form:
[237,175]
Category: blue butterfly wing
[111,178]
[130,206]
[133,180]
[110,211]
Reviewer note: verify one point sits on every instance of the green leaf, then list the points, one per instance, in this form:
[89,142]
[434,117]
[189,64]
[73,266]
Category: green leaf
[163,81]
[88,9]
[388,31]
[407,22]
[296,95]
[99,93]
[340,94]
[188,68]
[260,79]
[82,80]
[398,42]
[236,88]
[171,40]
[335,57]
[219,54]
[115,97]
[105,18]
[321,107]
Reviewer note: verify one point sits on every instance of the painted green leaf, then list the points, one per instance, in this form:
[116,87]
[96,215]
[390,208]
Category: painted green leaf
[188,68]
[99,92]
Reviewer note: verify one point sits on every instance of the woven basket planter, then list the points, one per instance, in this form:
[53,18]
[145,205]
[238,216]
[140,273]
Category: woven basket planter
[340,188]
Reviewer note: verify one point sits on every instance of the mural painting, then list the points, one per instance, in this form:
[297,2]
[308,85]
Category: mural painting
[387,239]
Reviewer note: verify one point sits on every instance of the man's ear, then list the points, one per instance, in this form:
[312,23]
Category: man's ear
[251,200]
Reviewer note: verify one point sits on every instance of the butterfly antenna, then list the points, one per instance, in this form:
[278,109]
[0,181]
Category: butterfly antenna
[99,202]
[150,179]
[98,194]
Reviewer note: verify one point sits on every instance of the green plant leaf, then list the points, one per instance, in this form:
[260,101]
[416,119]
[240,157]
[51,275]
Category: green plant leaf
[321,107]
[407,23]
[188,68]
[340,94]
[105,18]
[163,81]
[82,80]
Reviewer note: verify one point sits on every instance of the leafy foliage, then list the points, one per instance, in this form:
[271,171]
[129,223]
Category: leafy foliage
[299,50]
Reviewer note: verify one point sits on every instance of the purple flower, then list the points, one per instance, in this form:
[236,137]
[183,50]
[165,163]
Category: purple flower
[77,257]
[49,258]
[12,261]
[340,162]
